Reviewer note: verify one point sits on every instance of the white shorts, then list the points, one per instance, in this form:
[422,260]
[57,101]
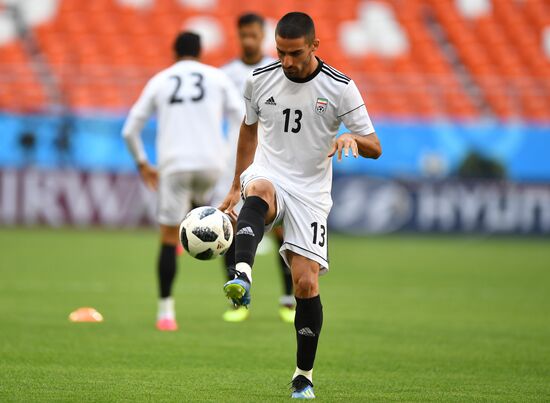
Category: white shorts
[178,192]
[304,229]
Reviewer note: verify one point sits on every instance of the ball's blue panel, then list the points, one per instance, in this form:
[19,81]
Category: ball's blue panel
[205,234]
[226,228]
[183,239]
[206,255]
[206,212]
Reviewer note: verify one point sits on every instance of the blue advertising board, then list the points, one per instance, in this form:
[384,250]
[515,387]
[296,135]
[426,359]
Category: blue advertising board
[364,205]
[411,150]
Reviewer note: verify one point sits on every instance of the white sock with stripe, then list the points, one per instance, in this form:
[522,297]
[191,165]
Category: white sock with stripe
[245,268]
[307,374]
[166,309]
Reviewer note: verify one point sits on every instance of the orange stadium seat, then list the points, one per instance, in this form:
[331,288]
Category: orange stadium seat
[21,88]
[13,53]
[102,52]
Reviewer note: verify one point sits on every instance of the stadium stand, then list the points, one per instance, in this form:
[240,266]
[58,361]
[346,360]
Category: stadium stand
[461,59]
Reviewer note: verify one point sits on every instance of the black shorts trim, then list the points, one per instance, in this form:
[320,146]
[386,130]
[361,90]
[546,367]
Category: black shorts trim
[307,250]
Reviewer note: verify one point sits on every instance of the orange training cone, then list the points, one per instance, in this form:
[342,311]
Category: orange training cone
[85,315]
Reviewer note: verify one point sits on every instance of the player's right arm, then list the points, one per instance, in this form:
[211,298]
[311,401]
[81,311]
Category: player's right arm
[138,116]
[246,148]
[233,110]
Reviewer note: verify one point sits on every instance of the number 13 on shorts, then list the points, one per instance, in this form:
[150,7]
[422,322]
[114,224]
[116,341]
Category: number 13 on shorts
[319,233]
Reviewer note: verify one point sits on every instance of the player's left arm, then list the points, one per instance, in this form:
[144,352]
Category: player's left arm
[366,146]
[361,139]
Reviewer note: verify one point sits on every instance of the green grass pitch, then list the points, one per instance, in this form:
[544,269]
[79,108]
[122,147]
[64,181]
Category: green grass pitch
[406,319]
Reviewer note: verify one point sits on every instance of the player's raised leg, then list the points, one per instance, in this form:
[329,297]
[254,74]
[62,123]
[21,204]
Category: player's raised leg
[308,322]
[259,209]
[234,313]
[166,316]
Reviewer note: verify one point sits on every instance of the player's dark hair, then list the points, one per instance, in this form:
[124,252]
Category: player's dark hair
[250,18]
[296,25]
[187,44]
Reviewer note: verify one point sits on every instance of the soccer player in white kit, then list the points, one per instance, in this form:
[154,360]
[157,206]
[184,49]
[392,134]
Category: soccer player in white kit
[251,34]
[191,100]
[294,108]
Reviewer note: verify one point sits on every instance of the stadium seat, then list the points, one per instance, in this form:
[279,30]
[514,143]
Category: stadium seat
[105,44]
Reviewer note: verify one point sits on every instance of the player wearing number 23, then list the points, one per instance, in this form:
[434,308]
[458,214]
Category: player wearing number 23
[191,100]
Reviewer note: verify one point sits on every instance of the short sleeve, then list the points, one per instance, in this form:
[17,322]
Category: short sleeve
[141,110]
[251,105]
[353,112]
[145,105]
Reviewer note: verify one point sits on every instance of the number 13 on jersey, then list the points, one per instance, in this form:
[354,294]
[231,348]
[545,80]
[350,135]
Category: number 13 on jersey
[297,117]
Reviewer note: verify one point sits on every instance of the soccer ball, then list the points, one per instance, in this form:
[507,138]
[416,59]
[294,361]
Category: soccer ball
[206,233]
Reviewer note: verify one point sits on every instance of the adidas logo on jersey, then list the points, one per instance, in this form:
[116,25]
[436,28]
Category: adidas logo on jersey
[270,101]
[306,331]
[245,231]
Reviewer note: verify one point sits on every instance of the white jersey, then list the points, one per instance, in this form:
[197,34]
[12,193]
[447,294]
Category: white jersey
[298,124]
[238,71]
[190,99]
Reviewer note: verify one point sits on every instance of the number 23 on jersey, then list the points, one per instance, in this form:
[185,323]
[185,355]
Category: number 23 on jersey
[177,97]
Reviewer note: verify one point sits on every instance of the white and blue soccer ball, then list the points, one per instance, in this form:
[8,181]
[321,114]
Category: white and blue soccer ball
[206,233]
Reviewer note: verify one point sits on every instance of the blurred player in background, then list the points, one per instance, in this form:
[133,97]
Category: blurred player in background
[251,34]
[294,108]
[191,100]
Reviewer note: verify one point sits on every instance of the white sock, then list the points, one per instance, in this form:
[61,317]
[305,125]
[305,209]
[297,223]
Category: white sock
[244,268]
[307,374]
[287,300]
[166,309]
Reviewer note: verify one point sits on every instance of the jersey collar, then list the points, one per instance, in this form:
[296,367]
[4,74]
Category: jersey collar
[310,77]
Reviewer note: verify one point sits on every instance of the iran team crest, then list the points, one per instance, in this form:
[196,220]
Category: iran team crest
[321,105]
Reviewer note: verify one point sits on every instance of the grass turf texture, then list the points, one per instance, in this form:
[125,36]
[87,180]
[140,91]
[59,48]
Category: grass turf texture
[406,319]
